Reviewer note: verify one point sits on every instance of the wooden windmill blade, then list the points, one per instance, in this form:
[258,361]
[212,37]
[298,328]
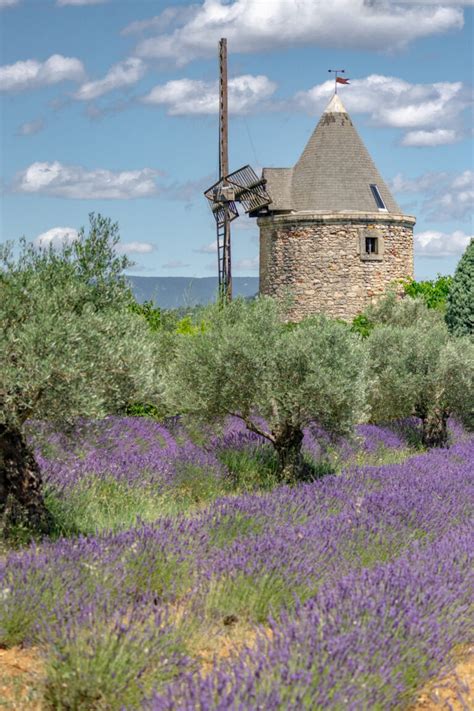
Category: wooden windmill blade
[242,186]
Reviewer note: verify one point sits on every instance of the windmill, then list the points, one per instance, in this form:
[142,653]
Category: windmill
[243,186]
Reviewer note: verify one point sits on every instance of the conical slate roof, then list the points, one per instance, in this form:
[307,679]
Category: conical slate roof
[334,173]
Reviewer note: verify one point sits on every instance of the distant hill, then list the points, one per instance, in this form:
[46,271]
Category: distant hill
[173,292]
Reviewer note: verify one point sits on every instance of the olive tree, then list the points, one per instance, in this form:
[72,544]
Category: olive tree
[418,370]
[69,347]
[276,377]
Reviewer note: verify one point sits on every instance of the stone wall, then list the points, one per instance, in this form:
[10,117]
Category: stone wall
[319,263]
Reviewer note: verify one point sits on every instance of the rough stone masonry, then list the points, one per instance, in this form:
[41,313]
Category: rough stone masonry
[318,262]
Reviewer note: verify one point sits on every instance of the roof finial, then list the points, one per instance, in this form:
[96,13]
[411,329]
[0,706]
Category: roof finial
[338,80]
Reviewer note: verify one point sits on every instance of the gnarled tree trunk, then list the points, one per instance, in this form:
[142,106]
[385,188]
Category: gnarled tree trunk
[21,499]
[434,428]
[288,444]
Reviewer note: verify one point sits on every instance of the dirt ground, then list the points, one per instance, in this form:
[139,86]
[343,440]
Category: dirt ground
[21,676]
[453,691]
[20,679]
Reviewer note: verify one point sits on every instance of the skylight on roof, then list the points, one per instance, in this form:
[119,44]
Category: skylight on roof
[377,197]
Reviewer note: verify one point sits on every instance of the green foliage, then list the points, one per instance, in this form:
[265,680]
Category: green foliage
[391,310]
[69,345]
[102,505]
[143,409]
[362,325]
[457,375]
[250,469]
[246,362]
[460,303]
[153,315]
[186,327]
[434,292]
[416,369]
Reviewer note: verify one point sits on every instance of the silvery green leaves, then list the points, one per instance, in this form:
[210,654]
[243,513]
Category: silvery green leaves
[247,362]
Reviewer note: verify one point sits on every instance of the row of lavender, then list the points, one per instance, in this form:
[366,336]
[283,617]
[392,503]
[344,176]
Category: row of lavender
[362,578]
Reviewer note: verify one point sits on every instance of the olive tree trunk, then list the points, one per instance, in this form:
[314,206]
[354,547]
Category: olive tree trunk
[434,429]
[21,499]
[288,443]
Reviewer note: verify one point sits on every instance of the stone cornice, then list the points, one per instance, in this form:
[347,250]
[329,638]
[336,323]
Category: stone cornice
[340,218]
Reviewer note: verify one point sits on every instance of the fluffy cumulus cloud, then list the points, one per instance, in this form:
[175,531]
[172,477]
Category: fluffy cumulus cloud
[56,237]
[441,244]
[135,248]
[191,96]
[252,25]
[71,181]
[31,74]
[432,112]
[443,196]
[437,137]
[121,75]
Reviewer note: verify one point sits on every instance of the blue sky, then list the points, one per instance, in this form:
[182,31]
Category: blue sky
[111,106]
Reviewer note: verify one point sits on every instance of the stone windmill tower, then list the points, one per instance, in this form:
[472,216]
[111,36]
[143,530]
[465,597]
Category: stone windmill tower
[333,237]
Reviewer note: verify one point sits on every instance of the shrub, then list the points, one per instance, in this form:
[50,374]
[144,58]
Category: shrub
[460,302]
[418,370]
[434,292]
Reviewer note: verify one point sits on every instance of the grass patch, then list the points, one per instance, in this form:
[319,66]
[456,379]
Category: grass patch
[106,504]
[250,469]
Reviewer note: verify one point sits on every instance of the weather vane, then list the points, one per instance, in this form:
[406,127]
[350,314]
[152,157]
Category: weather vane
[338,80]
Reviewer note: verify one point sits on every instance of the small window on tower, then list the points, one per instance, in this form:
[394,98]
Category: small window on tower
[377,197]
[371,245]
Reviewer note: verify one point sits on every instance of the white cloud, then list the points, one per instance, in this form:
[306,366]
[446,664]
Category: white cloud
[8,3]
[444,196]
[162,21]
[247,264]
[191,96]
[441,244]
[31,74]
[56,236]
[255,26]
[456,3]
[121,75]
[390,101]
[175,264]
[135,248]
[71,181]
[210,248]
[464,180]
[31,127]
[438,137]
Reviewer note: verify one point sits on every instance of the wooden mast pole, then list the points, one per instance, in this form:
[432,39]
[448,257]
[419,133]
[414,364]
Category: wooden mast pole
[226,284]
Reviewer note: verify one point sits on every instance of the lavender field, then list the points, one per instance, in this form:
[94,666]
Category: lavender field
[182,577]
